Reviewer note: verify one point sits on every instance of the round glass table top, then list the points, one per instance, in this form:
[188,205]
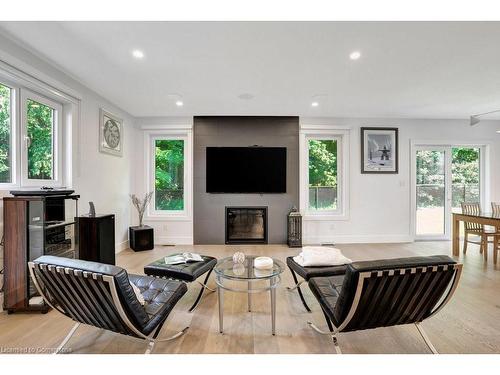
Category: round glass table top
[226,268]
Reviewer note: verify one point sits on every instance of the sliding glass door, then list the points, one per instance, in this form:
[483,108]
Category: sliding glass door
[445,176]
[432,192]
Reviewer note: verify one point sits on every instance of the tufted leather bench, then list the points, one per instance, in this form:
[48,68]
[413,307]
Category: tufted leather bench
[309,272]
[187,272]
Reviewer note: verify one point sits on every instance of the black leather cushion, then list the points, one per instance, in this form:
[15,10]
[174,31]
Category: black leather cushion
[132,306]
[308,272]
[160,297]
[188,272]
[327,291]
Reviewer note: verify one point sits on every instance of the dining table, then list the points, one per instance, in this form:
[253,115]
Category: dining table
[483,218]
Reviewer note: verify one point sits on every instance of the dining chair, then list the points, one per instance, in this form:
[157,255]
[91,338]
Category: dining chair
[479,230]
[495,209]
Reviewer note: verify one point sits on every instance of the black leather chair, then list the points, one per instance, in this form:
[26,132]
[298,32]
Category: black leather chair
[101,295]
[385,293]
[309,272]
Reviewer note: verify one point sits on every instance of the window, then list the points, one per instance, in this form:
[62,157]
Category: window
[322,174]
[41,128]
[324,158]
[169,175]
[36,132]
[5,134]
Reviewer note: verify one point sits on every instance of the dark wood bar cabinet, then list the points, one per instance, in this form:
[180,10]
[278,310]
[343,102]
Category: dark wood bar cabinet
[35,226]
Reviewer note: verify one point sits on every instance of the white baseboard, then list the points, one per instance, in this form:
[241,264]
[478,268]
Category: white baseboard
[120,246]
[178,240]
[373,238]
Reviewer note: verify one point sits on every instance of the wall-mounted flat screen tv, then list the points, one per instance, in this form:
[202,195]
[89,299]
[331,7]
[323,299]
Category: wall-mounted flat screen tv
[246,170]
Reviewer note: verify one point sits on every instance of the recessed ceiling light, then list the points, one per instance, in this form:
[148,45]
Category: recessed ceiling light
[314,104]
[498,131]
[179,103]
[246,96]
[355,55]
[138,54]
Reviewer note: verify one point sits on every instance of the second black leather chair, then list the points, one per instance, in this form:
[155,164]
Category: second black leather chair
[385,293]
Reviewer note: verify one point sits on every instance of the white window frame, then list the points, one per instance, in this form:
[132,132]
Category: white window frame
[14,92]
[56,180]
[150,138]
[69,118]
[326,132]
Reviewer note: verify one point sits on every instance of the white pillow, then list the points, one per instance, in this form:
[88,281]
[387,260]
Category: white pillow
[138,294]
[314,256]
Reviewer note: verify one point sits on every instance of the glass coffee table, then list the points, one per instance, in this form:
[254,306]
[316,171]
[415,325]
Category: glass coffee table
[229,274]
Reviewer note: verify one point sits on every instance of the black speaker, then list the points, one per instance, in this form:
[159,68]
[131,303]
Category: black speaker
[141,238]
[96,237]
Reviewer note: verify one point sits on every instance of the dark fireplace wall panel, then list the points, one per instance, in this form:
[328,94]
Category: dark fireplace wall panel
[209,209]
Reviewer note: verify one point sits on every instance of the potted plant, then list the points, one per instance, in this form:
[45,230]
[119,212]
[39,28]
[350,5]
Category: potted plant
[141,237]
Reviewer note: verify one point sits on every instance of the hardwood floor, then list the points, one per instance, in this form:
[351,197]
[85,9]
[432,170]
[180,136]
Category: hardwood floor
[469,324]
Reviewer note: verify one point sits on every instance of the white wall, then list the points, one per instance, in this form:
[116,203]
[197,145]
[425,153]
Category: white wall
[380,208]
[167,231]
[380,204]
[102,178]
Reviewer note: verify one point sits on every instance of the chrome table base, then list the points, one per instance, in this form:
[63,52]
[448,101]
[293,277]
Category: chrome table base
[273,283]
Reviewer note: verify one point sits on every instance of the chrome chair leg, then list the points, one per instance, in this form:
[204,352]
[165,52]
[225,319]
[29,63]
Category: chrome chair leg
[173,337]
[297,286]
[332,334]
[67,338]
[426,338]
[336,344]
[153,341]
[150,347]
[203,287]
[328,322]
[317,329]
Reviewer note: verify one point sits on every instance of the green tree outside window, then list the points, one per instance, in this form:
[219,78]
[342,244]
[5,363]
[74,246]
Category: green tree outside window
[169,175]
[40,124]
[322,174]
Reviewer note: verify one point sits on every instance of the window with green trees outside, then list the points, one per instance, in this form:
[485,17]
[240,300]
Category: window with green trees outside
[169,174]
[5,132]
[323,190]
[40,130]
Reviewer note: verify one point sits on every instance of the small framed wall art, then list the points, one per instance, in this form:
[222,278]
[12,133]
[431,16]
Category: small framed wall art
[110,133]
[379,150]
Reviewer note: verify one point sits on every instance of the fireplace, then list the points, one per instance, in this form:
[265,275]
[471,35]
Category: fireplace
[246,225]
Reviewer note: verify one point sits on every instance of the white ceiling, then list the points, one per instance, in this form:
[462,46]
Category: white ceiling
[407,69]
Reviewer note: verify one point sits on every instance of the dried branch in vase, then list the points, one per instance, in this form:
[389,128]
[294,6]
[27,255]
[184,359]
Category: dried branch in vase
[141,205]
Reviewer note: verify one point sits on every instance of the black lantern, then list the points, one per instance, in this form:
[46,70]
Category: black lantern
[294,228]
